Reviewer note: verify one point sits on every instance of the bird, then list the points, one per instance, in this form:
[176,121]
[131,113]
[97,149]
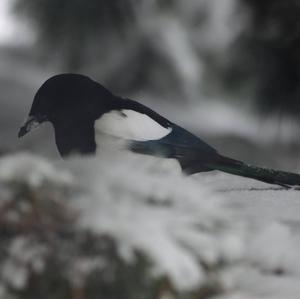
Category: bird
[87,117]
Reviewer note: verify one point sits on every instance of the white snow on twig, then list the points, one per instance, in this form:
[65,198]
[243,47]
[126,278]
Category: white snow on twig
[245,233]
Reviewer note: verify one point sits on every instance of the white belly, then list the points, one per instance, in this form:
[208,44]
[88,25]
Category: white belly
[105,142]
[130,125]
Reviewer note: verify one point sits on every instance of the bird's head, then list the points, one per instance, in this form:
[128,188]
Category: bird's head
[62,97]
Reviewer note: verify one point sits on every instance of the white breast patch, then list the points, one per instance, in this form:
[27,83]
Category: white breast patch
[130,125]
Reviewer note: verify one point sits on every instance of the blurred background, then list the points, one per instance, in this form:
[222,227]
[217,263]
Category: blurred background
[227,70]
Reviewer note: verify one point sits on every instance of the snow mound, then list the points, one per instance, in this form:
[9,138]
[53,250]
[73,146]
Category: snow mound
[31,170]
[147,206]
[119,213]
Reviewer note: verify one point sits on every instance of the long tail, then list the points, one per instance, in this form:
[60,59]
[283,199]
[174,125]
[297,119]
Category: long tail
[282,178]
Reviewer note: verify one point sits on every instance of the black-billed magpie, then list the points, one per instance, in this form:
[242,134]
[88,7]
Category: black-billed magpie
[87,117]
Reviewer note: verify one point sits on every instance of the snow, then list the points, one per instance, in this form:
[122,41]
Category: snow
[12,30]
[25,168]
[23,255]
[244,232]
[7,22]
[270,265]
[158,211]
[280,254]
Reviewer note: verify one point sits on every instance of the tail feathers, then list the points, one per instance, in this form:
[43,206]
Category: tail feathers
[282,178]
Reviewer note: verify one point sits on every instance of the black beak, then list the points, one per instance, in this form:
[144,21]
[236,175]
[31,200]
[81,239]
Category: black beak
[31,123]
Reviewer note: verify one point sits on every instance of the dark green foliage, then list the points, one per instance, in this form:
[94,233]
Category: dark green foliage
[106,39]
[72,25]
[111,40]
[270,50]
[58,19]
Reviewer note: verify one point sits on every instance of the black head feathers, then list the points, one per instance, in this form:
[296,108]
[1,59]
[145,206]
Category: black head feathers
[62,93]
[55,97]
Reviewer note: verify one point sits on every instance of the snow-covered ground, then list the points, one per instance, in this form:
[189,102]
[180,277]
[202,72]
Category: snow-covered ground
[270,268]
[195,230]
